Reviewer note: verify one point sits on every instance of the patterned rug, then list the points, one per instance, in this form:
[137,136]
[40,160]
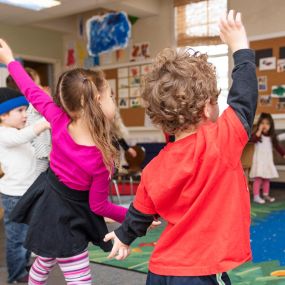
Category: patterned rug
[267,241]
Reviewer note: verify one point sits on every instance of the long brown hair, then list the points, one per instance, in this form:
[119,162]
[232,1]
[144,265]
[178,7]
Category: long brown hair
[77,93]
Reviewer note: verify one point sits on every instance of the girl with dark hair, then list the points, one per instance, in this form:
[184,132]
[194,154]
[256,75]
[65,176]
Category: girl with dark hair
[263,168]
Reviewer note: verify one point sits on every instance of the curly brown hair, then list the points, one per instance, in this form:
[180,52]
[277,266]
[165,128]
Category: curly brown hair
[177,88]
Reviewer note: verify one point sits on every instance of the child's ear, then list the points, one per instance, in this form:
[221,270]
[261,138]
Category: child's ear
[206,110]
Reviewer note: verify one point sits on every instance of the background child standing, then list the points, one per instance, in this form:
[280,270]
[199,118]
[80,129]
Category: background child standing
[196,184]
[263,168]
[17,158]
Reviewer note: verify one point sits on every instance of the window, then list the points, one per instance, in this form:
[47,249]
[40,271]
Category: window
[196,21]
[196,24]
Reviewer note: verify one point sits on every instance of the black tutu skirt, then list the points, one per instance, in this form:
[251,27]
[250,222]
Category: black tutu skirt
[60,221]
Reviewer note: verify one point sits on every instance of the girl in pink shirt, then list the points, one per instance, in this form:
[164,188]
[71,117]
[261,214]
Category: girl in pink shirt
[65,206]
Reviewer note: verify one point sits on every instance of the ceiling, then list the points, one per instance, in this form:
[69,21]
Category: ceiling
[52,17]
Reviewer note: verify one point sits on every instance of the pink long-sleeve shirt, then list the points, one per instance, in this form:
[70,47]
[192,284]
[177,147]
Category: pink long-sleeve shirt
[77,166]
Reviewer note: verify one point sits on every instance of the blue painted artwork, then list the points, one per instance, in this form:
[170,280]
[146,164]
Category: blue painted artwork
[107,33]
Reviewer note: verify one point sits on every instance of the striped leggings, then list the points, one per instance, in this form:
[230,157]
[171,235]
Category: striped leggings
[76,269]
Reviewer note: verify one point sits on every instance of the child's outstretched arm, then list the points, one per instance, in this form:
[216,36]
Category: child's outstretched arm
[243,93]
[42,102]
[17,137]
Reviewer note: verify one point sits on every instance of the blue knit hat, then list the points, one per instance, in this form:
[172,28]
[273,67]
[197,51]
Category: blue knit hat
[11,99]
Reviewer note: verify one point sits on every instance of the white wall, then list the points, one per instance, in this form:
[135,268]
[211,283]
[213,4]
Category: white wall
[261,17]
[34,42]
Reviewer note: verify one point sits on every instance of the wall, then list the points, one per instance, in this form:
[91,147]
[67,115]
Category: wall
[33,42]
[261,17]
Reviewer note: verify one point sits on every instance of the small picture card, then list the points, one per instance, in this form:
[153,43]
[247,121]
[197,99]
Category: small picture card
[280,106]
[281,65]
[265,100]
[123,93]
[262,83]
[145,69]
[134,71]
[278,91]
[123,72]
[123,83]
[123,103]
[267,63]
[134,92]
[135,102]
[135,81]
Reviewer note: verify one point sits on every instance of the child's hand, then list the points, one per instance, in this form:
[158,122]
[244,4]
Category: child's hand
[132,152]
[154,225]
[6,55]
[120,250]
[232,31]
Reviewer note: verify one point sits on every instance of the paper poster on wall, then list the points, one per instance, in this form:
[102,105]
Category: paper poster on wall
[262,83]
[135,102]
[107,33]
[134,92]
[123,72]
[140,51]
[134,71]
[135,81]
[123,103]
[123,93]
[268,63]
[278,91]
[123,83]
[281,65]
[265,100]
[145,69]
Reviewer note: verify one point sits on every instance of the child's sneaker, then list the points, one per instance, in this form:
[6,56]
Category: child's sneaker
[268,198]
[258,200]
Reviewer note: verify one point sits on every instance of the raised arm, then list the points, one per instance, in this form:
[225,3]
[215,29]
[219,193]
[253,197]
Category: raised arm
[34,94]
[243,93]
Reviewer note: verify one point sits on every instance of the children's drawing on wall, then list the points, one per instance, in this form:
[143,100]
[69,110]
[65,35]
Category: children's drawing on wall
[281,65]
[123,103]
[134,71]
[265,100]
[262,83]
[135,102]
[135,81]
[145,69]
[268,63]
[123,93]
[70,55]
[123,83]
[81,53]
[134,92]
[107,33]
[123,72]
[140,51]
[278,91]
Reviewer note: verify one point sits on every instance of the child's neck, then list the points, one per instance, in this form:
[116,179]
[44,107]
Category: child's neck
[185,133]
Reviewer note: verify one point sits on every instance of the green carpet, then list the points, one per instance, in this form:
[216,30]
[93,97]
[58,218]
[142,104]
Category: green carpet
[247,274]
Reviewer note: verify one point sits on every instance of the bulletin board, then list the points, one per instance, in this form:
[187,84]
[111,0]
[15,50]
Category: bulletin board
[270,62]
[126,82]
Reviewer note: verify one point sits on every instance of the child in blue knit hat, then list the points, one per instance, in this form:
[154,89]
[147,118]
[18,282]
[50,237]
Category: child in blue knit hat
[18,163]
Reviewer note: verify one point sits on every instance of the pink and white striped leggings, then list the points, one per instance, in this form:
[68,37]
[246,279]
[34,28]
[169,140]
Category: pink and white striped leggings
[257,183]
[76,269]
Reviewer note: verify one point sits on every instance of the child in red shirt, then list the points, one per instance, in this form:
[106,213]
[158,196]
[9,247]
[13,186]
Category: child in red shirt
[196,184]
